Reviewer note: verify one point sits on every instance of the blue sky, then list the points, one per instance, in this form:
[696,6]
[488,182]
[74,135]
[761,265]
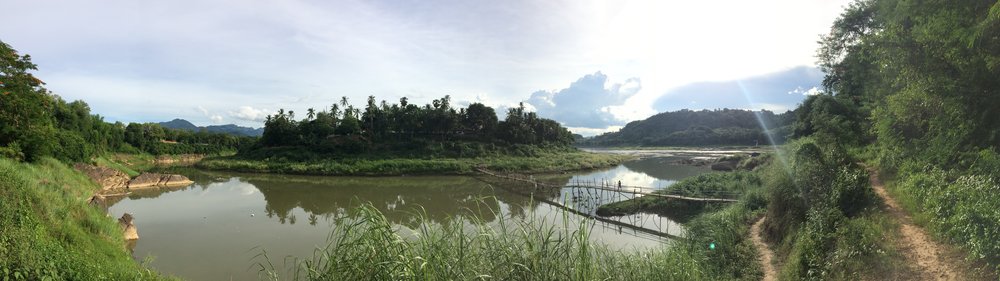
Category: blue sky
[591,65]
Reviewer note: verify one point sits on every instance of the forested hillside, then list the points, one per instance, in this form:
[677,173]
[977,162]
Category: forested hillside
[704,127]
[35,123]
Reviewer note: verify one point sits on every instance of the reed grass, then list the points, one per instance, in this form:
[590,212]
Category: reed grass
[366,246]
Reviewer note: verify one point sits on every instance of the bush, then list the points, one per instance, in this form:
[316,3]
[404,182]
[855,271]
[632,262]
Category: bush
[965,210]
[821,214]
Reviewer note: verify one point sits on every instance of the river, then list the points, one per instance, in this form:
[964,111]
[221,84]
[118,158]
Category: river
[216,228]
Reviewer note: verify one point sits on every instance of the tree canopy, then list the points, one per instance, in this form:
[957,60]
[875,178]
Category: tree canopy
[918,81]
[344,127]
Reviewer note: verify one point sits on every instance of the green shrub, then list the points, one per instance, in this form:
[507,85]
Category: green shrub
[822,215]
[751,163]
[13,152]
[786,207]
[964,210]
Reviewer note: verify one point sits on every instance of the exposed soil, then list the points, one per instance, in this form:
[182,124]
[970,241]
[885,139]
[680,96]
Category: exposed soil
[929,260]
[764,253]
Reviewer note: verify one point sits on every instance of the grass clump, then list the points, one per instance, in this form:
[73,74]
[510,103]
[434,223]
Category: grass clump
[50,233]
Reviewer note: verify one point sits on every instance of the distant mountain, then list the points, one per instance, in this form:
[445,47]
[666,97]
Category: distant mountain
[236,130]
[181,124]
[703,127]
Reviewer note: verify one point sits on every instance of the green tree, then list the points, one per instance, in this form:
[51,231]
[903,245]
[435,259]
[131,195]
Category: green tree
[26,124]
[480,119]
[348,126]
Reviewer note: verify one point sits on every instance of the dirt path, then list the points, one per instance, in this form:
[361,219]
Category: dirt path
[926,255]
[764,253]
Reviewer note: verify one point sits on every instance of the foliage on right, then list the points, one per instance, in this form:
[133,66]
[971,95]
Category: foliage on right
[914,85]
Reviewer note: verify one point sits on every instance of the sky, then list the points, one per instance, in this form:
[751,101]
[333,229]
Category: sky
[591,65]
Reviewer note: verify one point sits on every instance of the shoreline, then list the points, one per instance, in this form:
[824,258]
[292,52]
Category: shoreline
[599,157]
[547,163]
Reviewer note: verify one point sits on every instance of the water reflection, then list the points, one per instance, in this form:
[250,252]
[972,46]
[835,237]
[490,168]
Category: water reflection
[437,198]
[225,219]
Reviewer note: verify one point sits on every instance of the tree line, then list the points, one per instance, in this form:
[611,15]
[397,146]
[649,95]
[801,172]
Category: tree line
[36,123]
[381,122]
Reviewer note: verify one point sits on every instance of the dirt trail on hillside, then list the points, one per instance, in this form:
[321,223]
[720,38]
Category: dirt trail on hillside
[764,253]
[927,257]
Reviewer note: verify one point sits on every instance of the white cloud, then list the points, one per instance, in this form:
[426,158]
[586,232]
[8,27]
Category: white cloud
[587,132]
[806,92]
[590,102]
[217,119]
[778,108]
[250,114]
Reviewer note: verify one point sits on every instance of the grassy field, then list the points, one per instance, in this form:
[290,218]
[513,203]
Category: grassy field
[49,232]
[541,162]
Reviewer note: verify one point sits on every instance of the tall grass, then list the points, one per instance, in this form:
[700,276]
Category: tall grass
[105,162]
[366,246]
[48,231]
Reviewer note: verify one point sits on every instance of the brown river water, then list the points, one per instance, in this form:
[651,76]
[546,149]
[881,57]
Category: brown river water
[216,228]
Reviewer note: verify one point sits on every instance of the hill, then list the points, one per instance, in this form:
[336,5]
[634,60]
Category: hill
[704,127]
[181,124]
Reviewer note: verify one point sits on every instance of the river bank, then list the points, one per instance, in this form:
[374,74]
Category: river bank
[544,162]
[51,232]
